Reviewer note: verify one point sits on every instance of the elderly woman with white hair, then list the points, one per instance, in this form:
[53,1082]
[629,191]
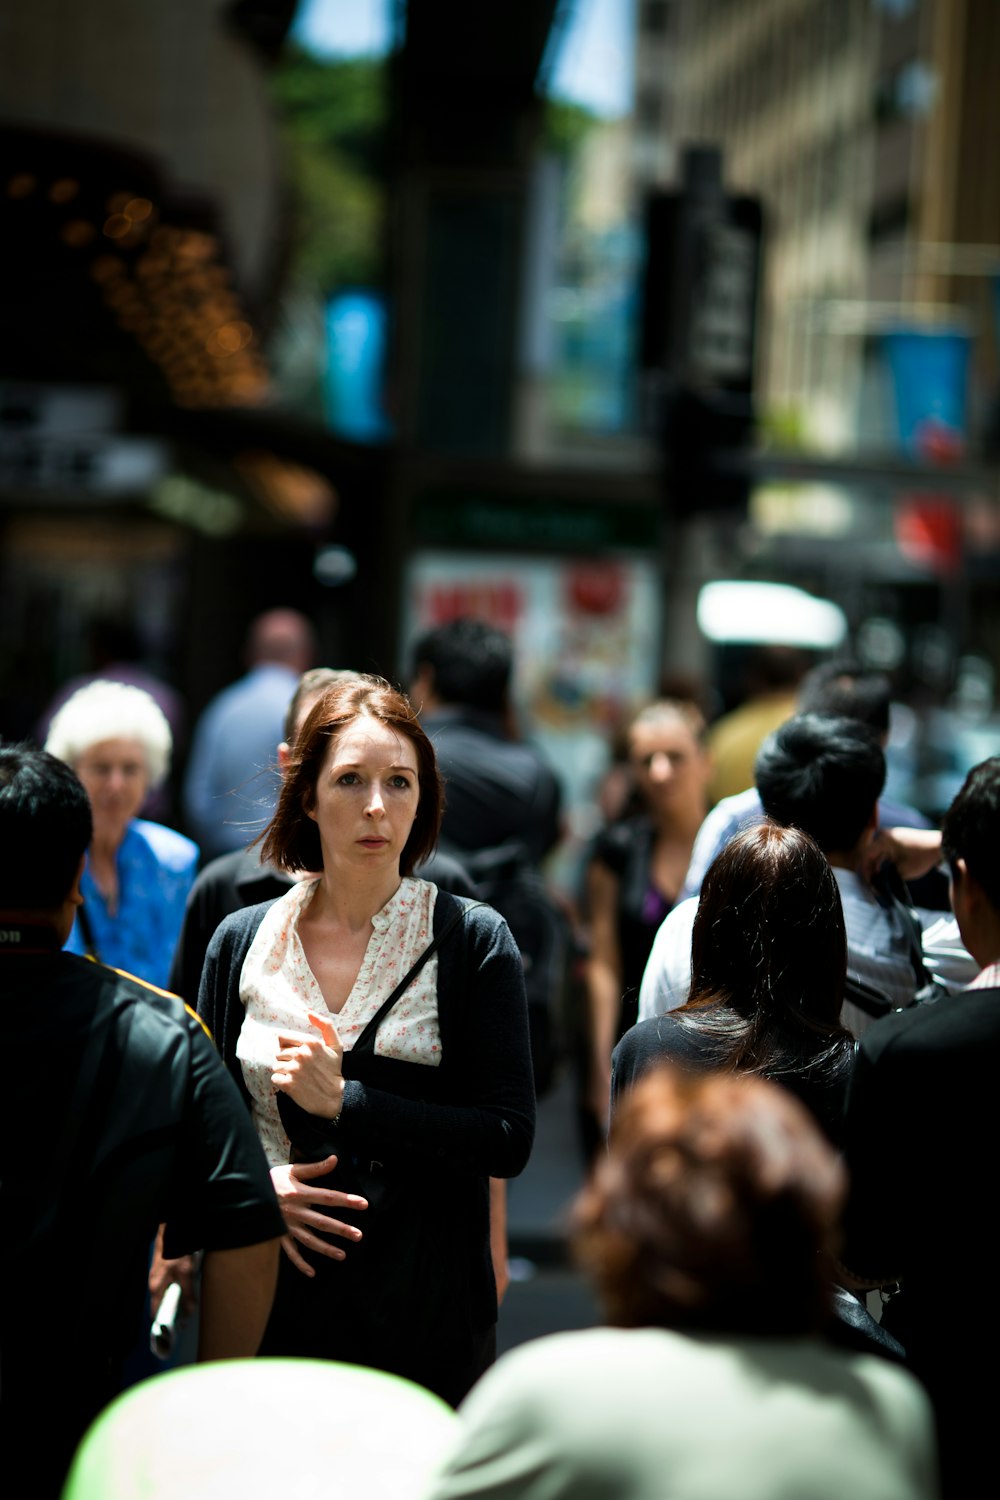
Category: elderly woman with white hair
[137,874]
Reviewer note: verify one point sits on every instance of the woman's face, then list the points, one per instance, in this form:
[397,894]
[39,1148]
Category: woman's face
[366,796]
[116,778]
[671,768]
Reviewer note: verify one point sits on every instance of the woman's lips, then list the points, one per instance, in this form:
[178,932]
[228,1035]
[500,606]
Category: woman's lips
[374,842]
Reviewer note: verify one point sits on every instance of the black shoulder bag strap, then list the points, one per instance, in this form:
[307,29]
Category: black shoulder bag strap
[366,1041]
[867,997]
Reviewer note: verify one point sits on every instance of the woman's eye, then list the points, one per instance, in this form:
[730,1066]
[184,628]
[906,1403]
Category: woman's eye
[349,778]
[402,782]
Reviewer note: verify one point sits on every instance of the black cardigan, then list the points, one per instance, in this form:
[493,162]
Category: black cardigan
[448,1128]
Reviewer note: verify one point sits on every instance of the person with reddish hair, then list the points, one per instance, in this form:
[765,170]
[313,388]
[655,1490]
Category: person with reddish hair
[377,1028]
[706,1230]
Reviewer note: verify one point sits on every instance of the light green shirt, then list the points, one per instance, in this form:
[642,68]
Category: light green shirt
[646,1414]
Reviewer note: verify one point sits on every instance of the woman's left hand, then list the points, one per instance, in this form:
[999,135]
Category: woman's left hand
[308,1068]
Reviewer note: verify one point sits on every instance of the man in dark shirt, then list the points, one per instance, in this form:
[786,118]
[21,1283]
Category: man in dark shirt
[116,1117]
[920,1127]
[502,805]
[497,788]
[501,818]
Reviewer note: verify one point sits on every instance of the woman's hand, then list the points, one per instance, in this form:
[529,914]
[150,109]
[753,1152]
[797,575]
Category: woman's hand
[308,1068]
[300,1202]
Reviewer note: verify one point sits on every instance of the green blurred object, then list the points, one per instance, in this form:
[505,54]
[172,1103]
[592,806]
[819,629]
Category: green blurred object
[264,1428]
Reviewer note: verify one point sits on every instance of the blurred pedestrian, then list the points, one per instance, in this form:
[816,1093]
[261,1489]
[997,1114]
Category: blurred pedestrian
[503,801]
[772,675]
[768,970]
[123,1119]
[231,785]
[842,688]
[501,818]
[501,789]
[138,873]
[706,1229]
[921,1122]
[116,654]
[634,875]
[824,775]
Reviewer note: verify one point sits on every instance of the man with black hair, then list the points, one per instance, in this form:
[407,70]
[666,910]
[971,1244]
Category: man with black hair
[501,818]
[921,1210]
[824,775]
[116,1117]
[502,805]
[497,788]
[845,689]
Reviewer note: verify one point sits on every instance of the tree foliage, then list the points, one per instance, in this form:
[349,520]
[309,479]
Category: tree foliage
[565,126]
[334,115]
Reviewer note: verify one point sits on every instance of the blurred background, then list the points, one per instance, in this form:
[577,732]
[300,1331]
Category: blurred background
[551,311]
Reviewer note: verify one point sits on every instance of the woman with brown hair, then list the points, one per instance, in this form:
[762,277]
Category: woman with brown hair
[377,1027]
[634,875]
[705,1230]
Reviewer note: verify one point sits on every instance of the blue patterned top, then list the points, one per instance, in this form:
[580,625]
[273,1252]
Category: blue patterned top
[156,869]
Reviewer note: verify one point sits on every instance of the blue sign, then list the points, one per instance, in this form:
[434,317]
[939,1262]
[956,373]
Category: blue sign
[930,376]
[356,340]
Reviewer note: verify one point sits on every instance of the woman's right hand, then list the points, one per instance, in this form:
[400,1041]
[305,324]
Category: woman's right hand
[300,1201]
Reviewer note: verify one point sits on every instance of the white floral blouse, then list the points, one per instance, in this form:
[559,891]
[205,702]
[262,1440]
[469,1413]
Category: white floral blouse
[278,989]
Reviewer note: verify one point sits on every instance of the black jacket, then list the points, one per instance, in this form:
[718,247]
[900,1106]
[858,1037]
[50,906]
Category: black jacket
[439,1133]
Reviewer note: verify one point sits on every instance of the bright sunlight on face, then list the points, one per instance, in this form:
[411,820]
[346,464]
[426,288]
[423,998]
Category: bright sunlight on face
[366,796]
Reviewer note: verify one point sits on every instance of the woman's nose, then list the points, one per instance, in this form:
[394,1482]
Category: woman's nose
[376,807]
[661,768]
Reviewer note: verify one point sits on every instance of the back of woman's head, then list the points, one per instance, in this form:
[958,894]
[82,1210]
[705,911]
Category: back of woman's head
[291,839]
[713,1208]
[768,938]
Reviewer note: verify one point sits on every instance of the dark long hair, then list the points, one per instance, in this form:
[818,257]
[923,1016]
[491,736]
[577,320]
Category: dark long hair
[769,955]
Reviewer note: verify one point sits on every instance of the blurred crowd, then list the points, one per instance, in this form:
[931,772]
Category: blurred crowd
[281,1064]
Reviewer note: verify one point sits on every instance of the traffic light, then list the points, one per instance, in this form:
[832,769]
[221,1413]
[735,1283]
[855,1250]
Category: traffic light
[706,434]
[703,252]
